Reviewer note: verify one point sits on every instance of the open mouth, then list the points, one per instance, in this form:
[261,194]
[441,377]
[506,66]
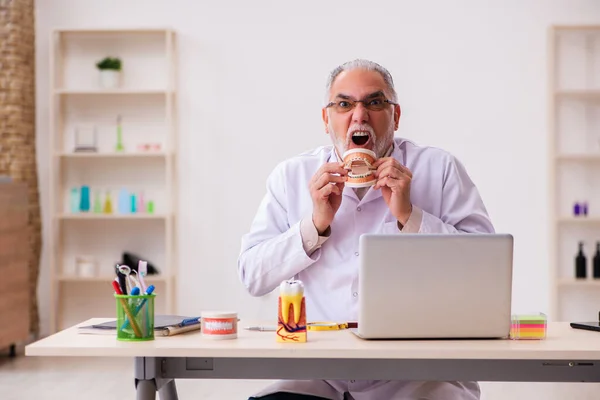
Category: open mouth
[360,138]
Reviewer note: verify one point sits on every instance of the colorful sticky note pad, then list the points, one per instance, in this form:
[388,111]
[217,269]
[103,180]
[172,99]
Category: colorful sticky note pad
[528,326]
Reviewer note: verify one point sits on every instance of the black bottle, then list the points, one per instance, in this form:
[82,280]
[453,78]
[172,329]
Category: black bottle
[580,263]
[597,261]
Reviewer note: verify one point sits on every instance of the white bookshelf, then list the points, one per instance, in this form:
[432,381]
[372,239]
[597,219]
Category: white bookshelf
[574,161]
[144,103]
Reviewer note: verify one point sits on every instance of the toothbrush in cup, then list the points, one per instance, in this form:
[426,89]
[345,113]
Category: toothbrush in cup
[141,273]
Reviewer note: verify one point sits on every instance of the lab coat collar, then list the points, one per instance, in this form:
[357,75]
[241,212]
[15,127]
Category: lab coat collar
[371,194]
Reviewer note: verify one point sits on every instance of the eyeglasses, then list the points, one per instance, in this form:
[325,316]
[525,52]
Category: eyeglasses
[374,104]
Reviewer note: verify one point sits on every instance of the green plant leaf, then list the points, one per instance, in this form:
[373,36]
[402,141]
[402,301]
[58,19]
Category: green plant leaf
[112,63]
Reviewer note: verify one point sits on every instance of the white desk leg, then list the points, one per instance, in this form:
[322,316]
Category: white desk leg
[146,390]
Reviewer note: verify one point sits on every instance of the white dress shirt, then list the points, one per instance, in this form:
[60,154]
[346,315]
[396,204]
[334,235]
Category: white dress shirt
[283,243]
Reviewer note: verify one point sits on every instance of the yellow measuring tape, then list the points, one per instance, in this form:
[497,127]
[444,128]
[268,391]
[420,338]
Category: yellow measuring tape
[329,326]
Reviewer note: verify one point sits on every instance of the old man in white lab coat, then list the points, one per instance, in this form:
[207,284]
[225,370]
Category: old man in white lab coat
[309,223]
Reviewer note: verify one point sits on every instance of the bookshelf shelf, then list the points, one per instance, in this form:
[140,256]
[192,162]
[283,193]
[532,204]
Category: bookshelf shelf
[572,282]
[117,31]
[578,157]
[136,114]
[581,94]
[580,220]
[127,217]
[111,91]
[132,155]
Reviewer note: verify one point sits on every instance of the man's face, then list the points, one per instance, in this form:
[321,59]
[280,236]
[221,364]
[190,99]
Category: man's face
[360,127]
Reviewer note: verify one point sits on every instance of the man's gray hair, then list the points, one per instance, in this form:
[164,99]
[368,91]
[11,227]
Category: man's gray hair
[362,64]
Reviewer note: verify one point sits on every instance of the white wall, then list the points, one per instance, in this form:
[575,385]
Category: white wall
[471,79]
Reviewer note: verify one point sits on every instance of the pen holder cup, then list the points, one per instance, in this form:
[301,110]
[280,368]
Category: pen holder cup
[135,317]
[528,326]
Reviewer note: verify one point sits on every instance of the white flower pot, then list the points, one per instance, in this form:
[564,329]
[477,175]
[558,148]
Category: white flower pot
[110,79]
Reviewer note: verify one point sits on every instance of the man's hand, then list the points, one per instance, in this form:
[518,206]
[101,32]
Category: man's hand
[394,181]
[326,188]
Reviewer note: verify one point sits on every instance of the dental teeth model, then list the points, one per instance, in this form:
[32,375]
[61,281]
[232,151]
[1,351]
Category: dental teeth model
[291,325]
[359,163]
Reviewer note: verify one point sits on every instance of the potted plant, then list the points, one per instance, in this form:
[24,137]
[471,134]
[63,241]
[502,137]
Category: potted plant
[110,72]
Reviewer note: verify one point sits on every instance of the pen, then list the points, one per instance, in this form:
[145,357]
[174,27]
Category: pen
[115,285]
[261,328]
[190,321]
[148,291]
[135,292]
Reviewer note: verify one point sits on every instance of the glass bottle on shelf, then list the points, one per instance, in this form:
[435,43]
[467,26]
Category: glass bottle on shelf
[596,261]
[133,203]
[97,202]
[150,207]
[84,200]
[75,200]
[141,206]
[108,208]
[123,202]
[580,263]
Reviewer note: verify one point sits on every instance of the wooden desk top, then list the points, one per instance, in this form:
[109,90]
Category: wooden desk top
[562,343]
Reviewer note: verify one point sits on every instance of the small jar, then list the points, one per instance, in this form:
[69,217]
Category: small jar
[219,325]
[86,266]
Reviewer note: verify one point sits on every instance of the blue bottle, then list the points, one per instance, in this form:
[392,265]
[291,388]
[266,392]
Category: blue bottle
[75,201]
[133,204]
[84,200]
[123,204]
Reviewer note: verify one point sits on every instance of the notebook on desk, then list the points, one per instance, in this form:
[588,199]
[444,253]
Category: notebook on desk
[164,325]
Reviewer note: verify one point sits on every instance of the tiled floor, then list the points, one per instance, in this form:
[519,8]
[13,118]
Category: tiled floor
[51,378]
[45,378]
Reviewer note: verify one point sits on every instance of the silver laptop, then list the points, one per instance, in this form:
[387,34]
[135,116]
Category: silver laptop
[428,286]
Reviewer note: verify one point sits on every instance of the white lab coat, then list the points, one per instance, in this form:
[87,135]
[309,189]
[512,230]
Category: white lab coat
[272,251]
